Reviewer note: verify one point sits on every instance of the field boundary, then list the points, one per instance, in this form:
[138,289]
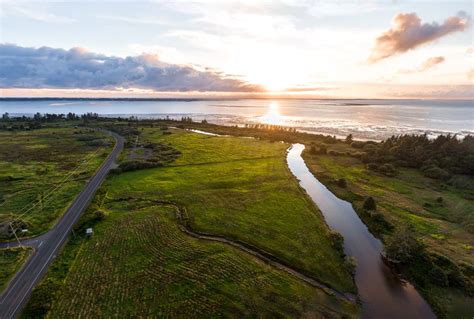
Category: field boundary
[268,258]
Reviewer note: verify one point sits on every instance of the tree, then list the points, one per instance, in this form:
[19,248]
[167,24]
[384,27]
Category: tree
[37,116]
[342,183]
[403,247]
[369,203]
[349,139]
[5,116]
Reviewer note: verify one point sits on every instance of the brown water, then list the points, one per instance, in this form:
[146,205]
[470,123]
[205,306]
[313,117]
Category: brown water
[382,293]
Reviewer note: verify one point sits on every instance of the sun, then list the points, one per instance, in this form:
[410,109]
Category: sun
[272,116]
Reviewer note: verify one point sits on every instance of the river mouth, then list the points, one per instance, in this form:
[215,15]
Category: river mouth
[382,293]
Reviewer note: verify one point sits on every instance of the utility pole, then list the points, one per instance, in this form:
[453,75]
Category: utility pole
[14,233]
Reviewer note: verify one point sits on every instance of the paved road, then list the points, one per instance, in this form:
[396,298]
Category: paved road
[47,246]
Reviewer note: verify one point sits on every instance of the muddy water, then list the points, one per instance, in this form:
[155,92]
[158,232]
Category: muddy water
[383,295]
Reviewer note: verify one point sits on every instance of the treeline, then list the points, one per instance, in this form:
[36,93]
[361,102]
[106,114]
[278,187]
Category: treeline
[23,122]
[437,158]
[49,117]
[270,127]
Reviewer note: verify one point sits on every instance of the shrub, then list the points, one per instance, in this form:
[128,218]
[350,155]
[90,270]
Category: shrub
[372,166]
[342,183]
[369,203]
[438,277]
[99,215]
[136,165]
[403,247]
[357,144]
[436,172]
[338,241]
[349,139]
[380,220]
[388,170]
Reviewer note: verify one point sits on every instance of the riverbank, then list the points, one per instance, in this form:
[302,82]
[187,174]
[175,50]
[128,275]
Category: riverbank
[411,200]
[382,293]
[407,199]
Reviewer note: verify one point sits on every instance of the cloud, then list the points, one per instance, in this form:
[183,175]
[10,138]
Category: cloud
[407,33]
[308,89]
[428,64]
[22,67]
[35,11]
[431,62]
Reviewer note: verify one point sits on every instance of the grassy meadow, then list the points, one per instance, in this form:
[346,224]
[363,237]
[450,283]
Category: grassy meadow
[42,171]
[241,188]
[234,187]
[410,199]
[11,260]
[139,264]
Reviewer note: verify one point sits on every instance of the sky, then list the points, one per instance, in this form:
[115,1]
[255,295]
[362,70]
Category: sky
[317,48]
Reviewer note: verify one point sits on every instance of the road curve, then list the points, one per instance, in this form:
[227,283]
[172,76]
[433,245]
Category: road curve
[47,246]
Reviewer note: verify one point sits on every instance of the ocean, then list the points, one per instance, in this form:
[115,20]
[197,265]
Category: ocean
[365,119]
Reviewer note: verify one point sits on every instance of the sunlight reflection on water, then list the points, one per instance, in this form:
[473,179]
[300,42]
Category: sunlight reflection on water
[366,119]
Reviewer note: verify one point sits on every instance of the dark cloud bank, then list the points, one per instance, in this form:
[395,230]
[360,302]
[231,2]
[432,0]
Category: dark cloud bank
[45,67]
[407,32]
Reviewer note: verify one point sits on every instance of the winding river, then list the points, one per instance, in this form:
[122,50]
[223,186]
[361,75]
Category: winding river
[382,293]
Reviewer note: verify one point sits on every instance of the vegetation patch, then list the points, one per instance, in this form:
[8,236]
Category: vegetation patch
[11,260]
[430,217]
[139,263]
[41,172]
[242,189]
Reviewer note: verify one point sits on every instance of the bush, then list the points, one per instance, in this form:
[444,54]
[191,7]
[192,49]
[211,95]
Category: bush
[357,144]
[380,220]
[403,247]
[436,172]
[336,153]
[438,277]
[453,273]
[338,241]
[388,170]
[349,139]
[136,165]
[99,215]
[42,299]
[369,203]
[342,183]
[356,154]
[372,166]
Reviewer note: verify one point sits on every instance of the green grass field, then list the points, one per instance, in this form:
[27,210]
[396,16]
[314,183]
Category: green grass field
[139,263]
[40,174]
[11,261]
[242,189]
[411,199]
